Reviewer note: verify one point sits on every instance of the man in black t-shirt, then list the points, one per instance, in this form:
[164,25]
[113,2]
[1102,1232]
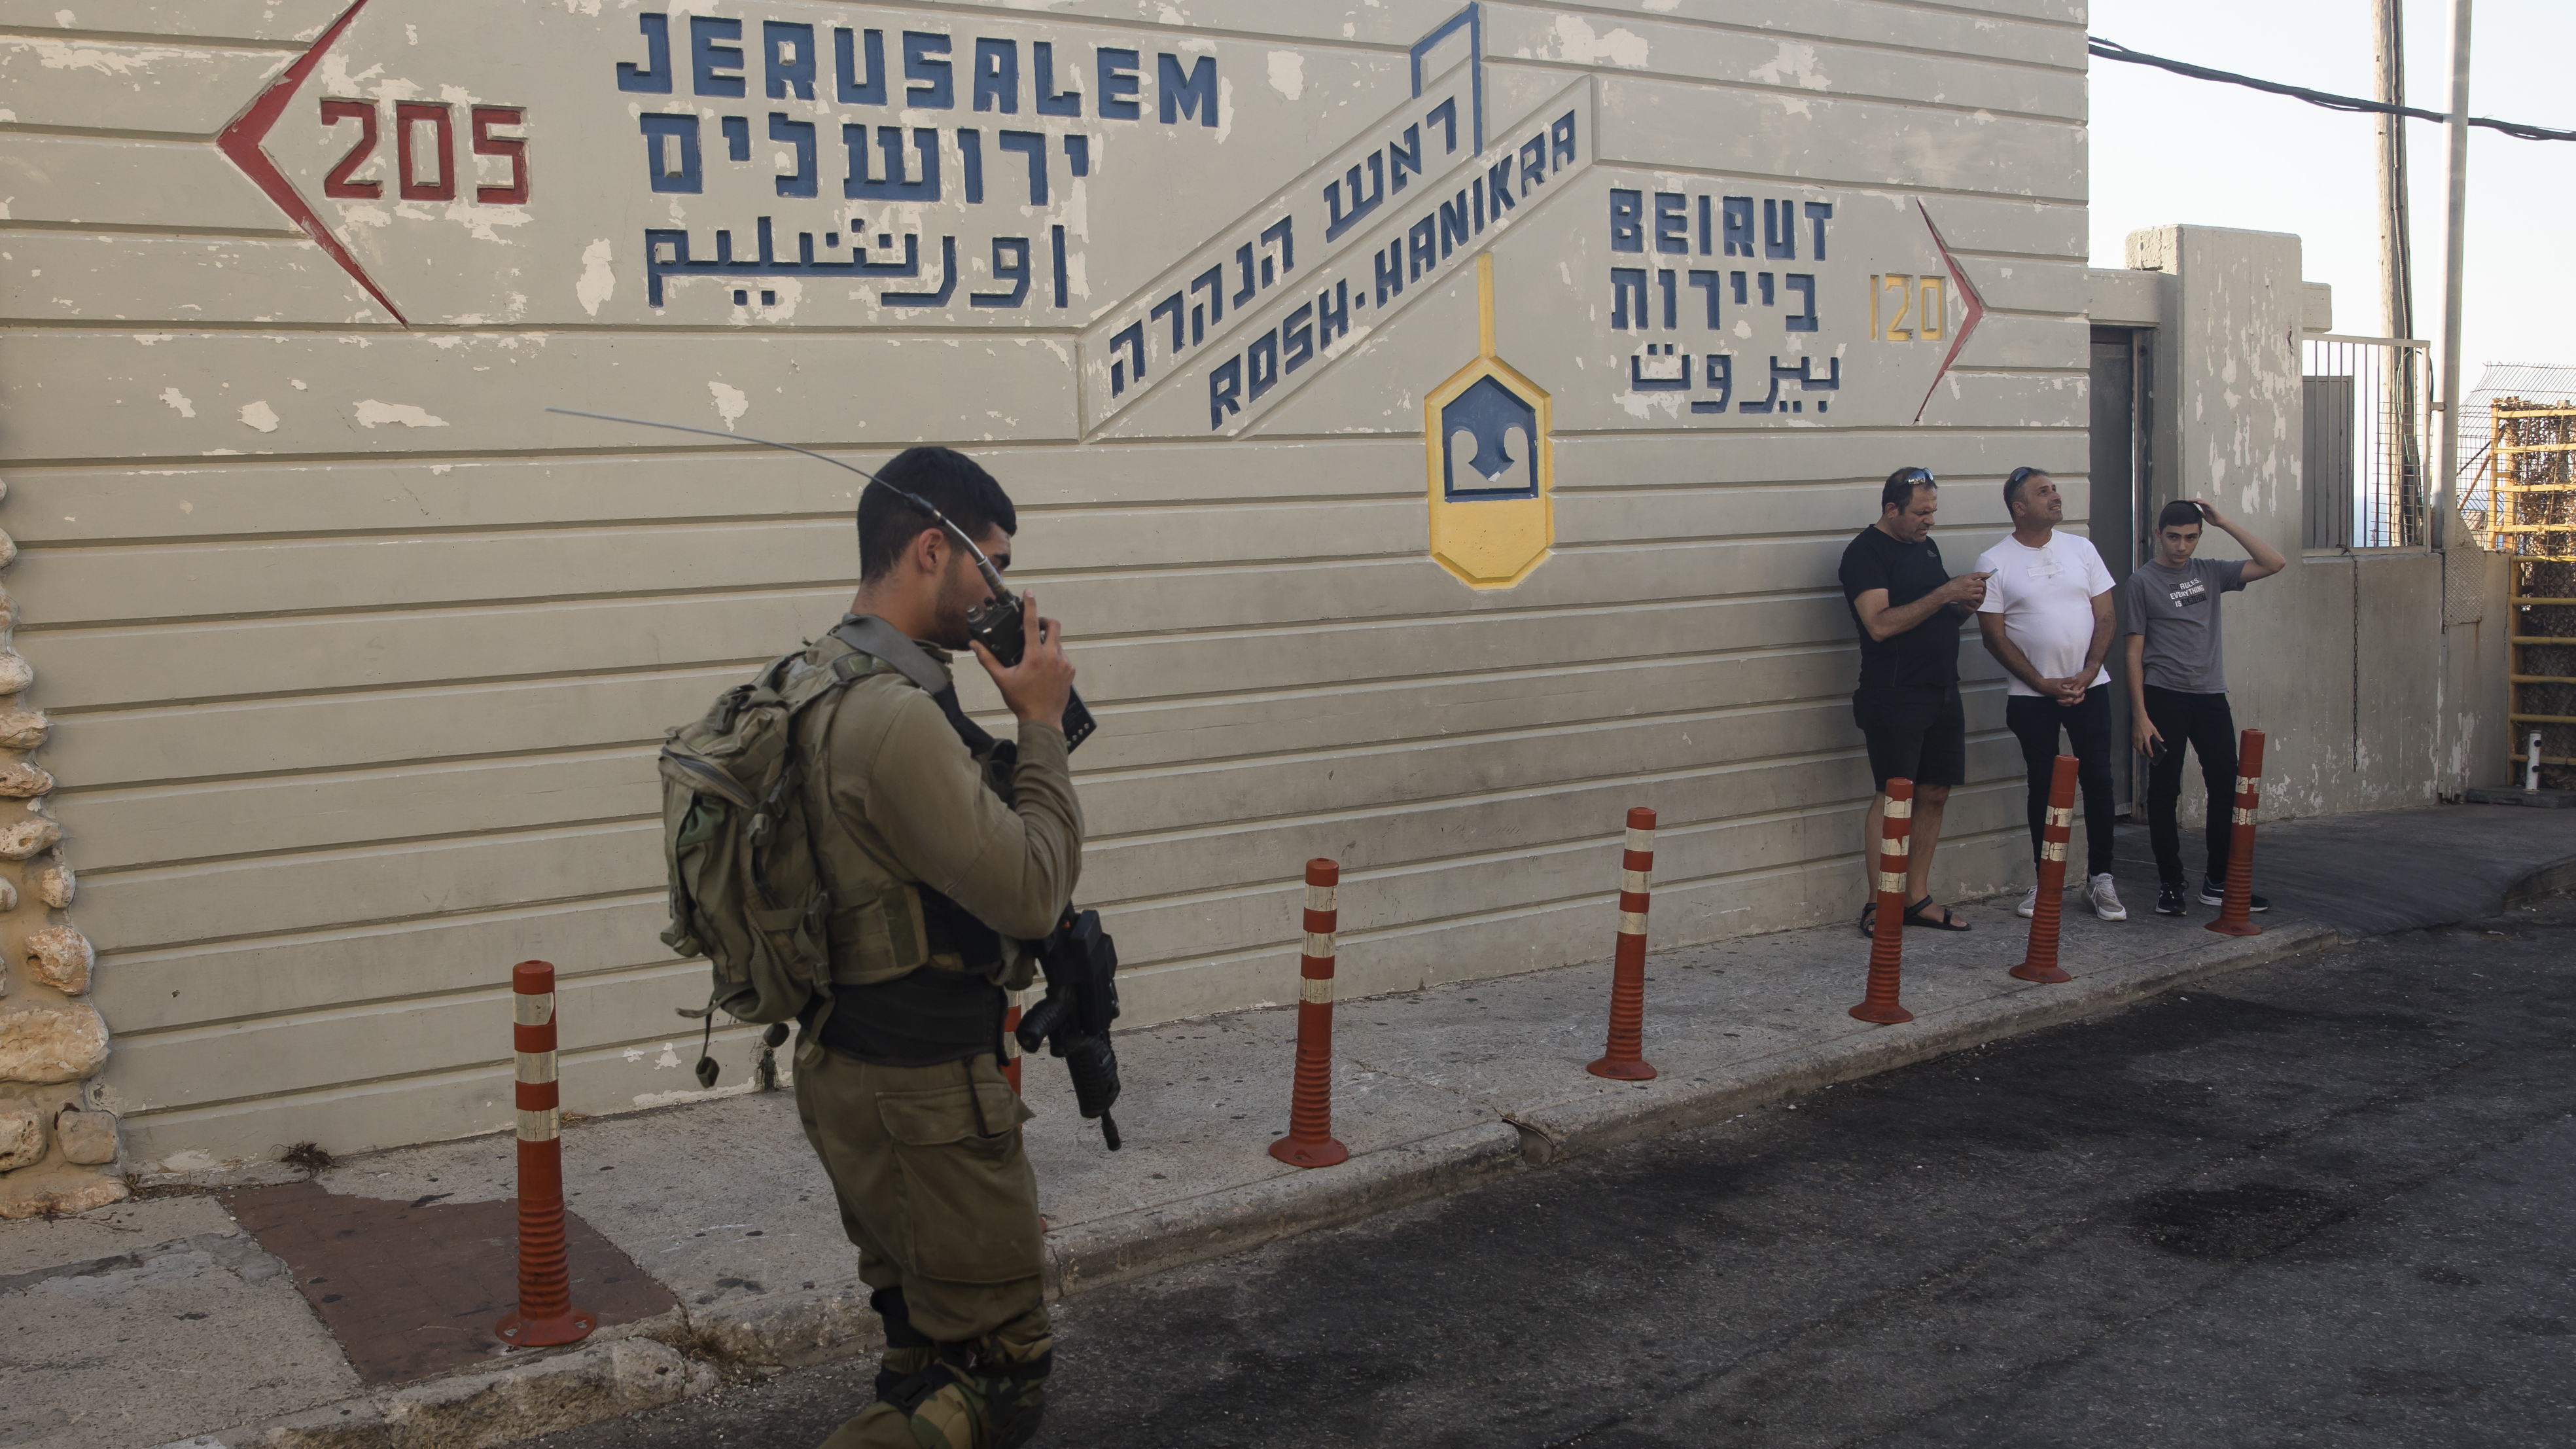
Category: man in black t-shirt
[1908,609]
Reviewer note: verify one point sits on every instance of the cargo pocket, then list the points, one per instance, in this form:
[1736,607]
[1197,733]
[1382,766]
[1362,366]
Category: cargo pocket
[971,1212]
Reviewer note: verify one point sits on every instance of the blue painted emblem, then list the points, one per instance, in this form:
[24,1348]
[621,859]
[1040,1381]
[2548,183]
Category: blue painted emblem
[1487,412]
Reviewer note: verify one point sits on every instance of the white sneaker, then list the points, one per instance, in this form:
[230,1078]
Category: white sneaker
[2106,900]
[2029,904]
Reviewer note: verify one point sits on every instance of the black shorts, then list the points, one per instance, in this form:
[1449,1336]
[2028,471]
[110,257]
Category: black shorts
[1914,734]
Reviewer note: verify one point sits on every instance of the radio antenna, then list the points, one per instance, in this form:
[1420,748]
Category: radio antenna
[992,575]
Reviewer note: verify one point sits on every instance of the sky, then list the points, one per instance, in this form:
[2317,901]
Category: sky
[2170,149]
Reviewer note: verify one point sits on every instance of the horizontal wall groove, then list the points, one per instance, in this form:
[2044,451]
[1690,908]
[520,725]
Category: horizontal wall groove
[153,38]
[1607,896]
[1768,35]
[345,932]
[1786,94]
[1540,791]
[102,133]
[1271,629]
[1827,183]
[497,1070]
[332,328]
[496,991]
[208,785]
[156,229]
[655,525]
[374,691]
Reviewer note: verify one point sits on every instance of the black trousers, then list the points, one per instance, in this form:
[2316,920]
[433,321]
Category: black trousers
[2203,722]
[2036,722]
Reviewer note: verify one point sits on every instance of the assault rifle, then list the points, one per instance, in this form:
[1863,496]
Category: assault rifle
[1081,965]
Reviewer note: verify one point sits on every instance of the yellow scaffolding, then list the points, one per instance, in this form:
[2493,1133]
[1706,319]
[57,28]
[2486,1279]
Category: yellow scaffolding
[2531,519]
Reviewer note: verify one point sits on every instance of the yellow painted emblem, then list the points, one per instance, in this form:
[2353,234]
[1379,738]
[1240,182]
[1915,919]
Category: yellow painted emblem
[1493,514]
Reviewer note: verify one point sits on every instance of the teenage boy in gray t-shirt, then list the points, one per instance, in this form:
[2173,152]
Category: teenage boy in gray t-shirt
[2178,684]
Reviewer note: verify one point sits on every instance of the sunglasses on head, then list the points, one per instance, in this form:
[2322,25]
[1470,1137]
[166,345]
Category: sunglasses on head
[2019,476]
[1921,478]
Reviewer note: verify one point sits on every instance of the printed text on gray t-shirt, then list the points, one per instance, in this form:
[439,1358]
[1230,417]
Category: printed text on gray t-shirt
[2177,609]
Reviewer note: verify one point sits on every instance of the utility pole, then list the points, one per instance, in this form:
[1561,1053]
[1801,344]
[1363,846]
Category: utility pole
[2396,262]
[2403,387]
[2451,281]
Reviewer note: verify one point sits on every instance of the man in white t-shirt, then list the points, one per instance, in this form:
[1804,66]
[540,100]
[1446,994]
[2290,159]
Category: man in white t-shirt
[2047,620]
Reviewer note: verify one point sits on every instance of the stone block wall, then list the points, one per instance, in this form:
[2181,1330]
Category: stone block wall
[57,1153]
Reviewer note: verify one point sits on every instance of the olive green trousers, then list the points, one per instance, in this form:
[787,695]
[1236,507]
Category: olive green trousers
[935,1191]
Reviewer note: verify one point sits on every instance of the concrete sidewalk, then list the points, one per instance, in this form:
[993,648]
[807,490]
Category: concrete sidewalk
[721,1203]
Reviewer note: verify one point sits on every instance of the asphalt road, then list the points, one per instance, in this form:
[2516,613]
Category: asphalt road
[2319,1204]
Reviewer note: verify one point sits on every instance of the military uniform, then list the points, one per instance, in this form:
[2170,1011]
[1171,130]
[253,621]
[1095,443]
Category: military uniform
[935,880]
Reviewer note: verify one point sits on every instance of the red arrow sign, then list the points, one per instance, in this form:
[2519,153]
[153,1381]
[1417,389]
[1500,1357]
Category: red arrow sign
[1967,290]
[241,141]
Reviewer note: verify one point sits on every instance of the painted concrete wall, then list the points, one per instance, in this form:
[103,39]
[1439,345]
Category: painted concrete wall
[2367,700]
[357,658]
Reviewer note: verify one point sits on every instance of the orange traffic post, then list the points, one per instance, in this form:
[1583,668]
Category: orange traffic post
[1309,1142]
[1887,935]
[1624,1059]
[544,1316]
[2041,962]
[2235,913]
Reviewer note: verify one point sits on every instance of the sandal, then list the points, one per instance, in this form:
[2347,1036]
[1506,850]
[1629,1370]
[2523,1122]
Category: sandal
[1914,916]
[1869,919]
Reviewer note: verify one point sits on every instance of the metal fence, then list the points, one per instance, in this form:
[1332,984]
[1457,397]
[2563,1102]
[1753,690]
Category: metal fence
[2366,405]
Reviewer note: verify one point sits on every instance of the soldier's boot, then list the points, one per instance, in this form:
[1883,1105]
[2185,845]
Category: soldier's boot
[986,1394]
[905,1379]
[909,1353]
[1011,1365]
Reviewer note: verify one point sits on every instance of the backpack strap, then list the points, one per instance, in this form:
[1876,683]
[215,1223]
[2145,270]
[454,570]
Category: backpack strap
[871,635]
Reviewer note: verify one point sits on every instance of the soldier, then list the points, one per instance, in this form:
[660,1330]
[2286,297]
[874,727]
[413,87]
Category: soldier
[941,865]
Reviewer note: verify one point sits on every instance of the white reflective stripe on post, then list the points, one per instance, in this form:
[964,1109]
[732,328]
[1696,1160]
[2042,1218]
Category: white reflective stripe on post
[1892,882]
[2062,815]
[2244,816]
[1318,990]
[1632,923]
[2245,784]
[1010,1045]
[1633,882]
[1640,839]
[1319,898]
[536,1067]
[1899,810]
[1319,944]
[541,1126]
[1901,845]
[532,1010]
[2052,850]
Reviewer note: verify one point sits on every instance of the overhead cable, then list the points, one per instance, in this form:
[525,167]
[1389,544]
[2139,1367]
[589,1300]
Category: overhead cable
[2113,50]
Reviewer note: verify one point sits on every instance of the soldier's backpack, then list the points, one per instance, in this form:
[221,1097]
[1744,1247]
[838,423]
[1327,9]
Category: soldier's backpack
[746,890]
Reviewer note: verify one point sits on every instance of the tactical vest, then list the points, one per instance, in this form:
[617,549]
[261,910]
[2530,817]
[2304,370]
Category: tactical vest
[881,926]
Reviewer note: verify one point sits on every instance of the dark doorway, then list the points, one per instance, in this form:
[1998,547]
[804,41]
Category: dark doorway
[2118,525]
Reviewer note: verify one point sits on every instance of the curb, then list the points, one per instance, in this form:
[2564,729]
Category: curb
[593,1382]
[682,1354]
[1114,1249]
